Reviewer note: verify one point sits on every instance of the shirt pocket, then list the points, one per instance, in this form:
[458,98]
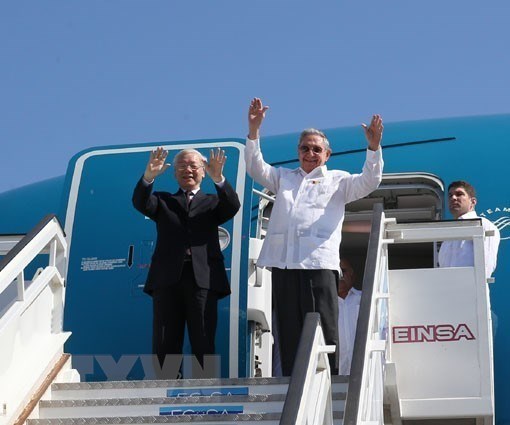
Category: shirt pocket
[312,248]
[320,193]
[275,247]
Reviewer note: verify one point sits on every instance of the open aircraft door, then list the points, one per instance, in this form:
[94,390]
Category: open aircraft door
[111,245]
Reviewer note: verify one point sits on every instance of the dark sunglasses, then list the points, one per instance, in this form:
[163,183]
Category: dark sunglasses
[314,149]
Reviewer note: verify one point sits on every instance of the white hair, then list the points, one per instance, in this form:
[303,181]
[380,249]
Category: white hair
[314,132]
[178,156]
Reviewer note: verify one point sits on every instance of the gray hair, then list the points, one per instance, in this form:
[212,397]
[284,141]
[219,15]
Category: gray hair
[314,132]
[179,154]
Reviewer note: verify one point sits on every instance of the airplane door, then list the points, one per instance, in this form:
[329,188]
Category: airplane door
[111,245]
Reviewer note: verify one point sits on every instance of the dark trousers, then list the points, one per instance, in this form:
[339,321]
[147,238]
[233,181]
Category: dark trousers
[180,305]
[297,292]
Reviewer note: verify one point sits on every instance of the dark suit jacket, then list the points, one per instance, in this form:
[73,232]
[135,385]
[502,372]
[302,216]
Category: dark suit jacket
[178,229]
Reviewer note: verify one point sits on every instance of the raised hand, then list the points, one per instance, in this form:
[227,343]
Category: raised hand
[373,132]
[156,165]
[214,166]
[256,114]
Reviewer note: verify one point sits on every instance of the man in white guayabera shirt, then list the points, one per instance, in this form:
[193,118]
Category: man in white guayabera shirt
[303,238]
[461,203]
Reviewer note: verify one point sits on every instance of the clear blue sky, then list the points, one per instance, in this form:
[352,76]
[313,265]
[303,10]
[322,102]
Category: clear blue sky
[79,74]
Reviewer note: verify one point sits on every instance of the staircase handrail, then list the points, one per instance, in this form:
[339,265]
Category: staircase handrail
[309,399]
[364,402]
[31,327]
[27,241]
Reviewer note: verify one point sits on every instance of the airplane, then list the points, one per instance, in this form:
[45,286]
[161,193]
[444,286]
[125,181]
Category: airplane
[110,244]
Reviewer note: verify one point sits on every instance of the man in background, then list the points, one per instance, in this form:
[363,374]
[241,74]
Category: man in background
[459,253]
[349,299]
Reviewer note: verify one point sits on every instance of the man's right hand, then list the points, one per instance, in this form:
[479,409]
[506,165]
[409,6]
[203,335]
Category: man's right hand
[156,165]
[256,114]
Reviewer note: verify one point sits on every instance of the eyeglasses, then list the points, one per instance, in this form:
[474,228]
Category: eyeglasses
[184,167]
[314,149]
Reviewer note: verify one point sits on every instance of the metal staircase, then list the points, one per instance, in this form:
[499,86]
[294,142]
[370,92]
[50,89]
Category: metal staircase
[438,319]
[309,396]
[204,401]
[38,384]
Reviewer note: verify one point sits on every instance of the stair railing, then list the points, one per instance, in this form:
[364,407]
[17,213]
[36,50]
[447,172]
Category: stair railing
[364,403]
[31,324]
[309,399]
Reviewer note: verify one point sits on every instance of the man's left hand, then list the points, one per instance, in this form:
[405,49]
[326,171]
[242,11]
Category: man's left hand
[373,132]
[214,166]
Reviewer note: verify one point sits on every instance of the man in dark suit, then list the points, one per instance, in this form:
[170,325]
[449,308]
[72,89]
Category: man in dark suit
[187,274]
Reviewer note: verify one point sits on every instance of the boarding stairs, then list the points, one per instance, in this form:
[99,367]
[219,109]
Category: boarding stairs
[423,352]
[38,385]
[203,401]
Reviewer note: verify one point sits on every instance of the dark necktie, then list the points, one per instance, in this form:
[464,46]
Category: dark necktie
[189,197]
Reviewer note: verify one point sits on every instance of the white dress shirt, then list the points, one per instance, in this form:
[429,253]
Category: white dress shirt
[305,228]
[348,310]
[460,253]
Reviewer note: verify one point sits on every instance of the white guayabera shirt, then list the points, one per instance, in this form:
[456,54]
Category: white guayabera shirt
[305,228]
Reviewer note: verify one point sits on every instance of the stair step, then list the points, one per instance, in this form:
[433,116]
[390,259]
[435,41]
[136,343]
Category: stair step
[165,406]
[147,388]
[260,419]
[247,400]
